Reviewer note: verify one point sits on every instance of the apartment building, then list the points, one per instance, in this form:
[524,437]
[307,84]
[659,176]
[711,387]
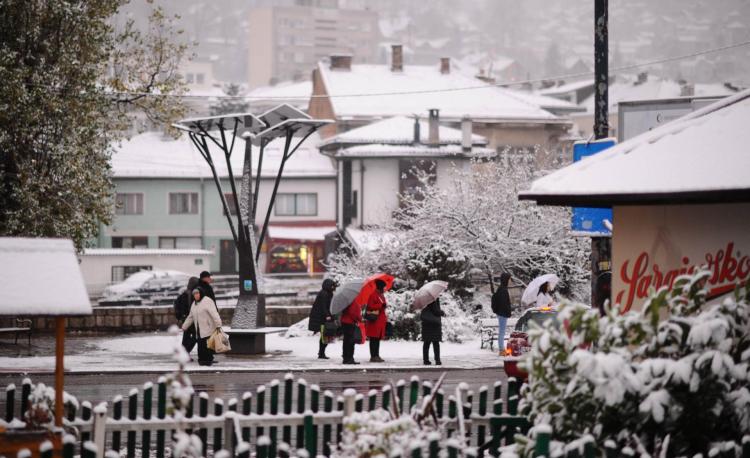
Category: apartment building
[287,39]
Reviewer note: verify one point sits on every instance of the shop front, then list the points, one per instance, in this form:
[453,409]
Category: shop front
[296,249]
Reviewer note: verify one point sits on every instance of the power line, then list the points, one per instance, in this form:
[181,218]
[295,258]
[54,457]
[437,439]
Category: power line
[615,70]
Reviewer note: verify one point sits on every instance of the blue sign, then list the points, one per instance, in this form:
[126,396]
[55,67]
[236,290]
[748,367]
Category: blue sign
[590,221]
[248,285]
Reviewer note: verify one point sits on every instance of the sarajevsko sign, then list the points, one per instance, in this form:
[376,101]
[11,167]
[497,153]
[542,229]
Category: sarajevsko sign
[653,245]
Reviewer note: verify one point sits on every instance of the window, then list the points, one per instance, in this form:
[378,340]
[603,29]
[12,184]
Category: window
[200,78]
[120,273]
[130,242]
[129,203]
[296,204]
[183,203]
[411,173]
[229,197]
[180,242]
[189,78]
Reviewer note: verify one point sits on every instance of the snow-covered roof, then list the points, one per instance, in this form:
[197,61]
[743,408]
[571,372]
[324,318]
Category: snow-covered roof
[552,104]
[465,96]
[399,130]
[153,155]
[565,88]
[367,240]
[701,157]
[411,151]
[41,277]
[146,252]
[312,233]
[652,88]
[295,93]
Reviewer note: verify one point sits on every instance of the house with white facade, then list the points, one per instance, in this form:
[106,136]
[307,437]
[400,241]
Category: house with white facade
[380,162]
[166,199]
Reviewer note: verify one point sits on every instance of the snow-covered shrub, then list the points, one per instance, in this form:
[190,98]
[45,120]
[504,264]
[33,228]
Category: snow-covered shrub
[377,434]
[41,406]
[180,392]
[438,261]
[458,323]
[671,379]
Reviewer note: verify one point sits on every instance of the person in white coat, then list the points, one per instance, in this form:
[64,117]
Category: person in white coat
[205,317]
[544,298]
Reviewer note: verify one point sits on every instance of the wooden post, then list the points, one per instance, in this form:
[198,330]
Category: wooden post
[439,401]
[287,430]
[10,402]
[386,390]
[274,410]
[116,414]
[400,387]
[203,413]
[301,433]
[247,408]
[315,407]
[229,432]
[327,407]
[218,411]
[132,414]
[259,407]
[85,416]
[482,430]
[59,368]
[25,392]
[99,428]
[372,400]
[148,392]
[413,391]
[311,439]
[359,402]
[161,413]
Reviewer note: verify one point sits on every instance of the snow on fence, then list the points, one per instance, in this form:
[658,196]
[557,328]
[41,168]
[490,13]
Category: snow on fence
[309,421]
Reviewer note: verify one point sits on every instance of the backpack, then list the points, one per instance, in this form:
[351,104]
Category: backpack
[182,306]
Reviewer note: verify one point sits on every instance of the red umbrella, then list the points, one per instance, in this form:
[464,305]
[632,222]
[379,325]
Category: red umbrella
[368,287]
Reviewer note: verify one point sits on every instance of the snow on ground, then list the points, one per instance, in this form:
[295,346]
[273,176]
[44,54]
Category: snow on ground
[152,353]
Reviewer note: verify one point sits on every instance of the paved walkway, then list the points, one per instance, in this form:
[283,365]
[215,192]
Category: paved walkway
[152,353]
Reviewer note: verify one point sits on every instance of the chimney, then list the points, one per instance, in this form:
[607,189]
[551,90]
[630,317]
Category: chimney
[397,58]
[687,89]
[417,133]
[466,134]
[434,137]
[341,62]
[445,65]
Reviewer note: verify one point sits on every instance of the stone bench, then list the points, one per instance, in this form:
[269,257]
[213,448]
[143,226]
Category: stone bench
[250,341]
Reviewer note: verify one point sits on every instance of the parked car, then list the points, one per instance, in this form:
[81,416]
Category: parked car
[146,282]
[518,342]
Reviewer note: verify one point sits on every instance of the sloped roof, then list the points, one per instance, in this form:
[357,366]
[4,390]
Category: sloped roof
[481,102]
[41,277]
[652,88]
[411,151]
[701,157]
[152,155]
[399,130]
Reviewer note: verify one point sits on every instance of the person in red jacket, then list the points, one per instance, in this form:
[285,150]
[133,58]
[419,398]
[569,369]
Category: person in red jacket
[376,328]
[350,318]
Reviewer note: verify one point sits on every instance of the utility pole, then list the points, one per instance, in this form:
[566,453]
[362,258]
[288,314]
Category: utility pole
[601,247]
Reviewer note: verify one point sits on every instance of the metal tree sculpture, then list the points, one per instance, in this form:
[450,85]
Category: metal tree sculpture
[283,121]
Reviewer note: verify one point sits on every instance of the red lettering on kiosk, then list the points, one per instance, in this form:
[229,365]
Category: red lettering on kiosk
[726,270]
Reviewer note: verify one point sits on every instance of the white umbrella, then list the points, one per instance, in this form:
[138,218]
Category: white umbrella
[532,291]
[345,294]
[428,293]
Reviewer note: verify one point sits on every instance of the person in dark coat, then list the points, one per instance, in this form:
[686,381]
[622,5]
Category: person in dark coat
[432,331]
[205,284]
[182,306]
[350,318]
[501,308]
[376,329]
[321,313]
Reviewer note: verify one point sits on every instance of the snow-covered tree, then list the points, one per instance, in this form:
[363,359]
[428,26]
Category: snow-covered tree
[479,223]
[71,81]
[233,103]
[669,380]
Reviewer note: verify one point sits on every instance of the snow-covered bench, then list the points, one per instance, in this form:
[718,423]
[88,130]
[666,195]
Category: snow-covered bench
[22,325]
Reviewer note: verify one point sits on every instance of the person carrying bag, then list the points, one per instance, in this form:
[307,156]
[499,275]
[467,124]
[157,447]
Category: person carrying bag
[204,316]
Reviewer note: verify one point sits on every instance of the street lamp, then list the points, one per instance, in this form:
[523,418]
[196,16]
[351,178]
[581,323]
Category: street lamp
[284,121]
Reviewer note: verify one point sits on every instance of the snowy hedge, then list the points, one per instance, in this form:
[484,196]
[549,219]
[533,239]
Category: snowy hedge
[458,323]
[669,380]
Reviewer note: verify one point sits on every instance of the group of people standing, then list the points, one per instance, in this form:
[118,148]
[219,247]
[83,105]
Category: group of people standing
[375,319]
[198,316]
